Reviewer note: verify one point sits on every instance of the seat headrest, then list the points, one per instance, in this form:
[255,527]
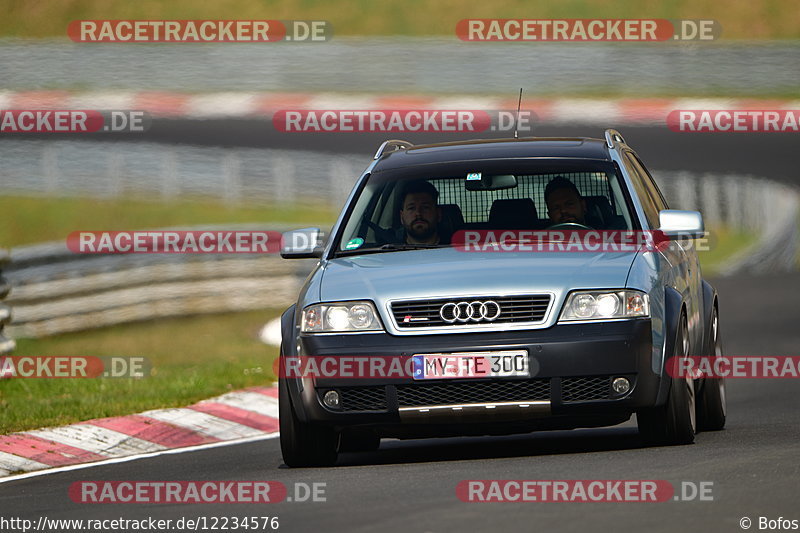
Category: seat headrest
[452,215]
[513,213]
[598,210]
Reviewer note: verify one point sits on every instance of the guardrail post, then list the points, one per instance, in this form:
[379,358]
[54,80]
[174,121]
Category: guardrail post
[115,162]
[711,199]
[284,178]
[684,188]
[731,192]
[50,169]
[231,178]
[6,344]
[169,175]
[341,181]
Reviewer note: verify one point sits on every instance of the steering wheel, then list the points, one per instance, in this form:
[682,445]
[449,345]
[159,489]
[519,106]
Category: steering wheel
[385,236]
[569,225]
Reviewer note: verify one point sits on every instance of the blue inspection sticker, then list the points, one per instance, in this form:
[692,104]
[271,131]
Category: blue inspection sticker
[352,244]
[419,366]
[473,176]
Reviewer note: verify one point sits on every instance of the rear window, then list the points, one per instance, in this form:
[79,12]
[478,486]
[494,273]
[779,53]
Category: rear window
[377,215]
[476,206]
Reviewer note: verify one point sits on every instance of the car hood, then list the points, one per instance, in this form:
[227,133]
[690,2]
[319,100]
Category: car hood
[447,272]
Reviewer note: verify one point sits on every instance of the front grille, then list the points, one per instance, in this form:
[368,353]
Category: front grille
[472,392]
[585,389]
[425,313]
[362,398]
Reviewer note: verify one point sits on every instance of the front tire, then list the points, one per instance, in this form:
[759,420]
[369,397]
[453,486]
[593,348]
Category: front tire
[711,402]
[303,444]
[674,422]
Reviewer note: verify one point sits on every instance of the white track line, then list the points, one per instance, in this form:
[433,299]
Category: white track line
[5,99]
[585,111]
[704,103]
[465,103]
[12,463]
[137,457]
[229,104]
[249,401]
[95,439]
[341,101]
[203,423]
[102,100]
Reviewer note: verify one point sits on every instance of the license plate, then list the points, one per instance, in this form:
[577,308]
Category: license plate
[510,363]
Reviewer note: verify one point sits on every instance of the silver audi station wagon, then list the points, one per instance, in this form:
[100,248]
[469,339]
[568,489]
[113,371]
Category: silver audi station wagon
[497,340]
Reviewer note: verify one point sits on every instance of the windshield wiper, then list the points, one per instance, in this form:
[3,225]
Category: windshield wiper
[408,246]
[390,247]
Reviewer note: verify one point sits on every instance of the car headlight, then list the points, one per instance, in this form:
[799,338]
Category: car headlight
[603,305]
[340,316]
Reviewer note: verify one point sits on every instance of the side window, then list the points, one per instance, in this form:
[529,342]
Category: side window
[648,203]
[650,184]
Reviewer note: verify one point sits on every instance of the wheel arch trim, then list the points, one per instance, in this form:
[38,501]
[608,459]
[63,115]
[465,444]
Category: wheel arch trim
[674,307]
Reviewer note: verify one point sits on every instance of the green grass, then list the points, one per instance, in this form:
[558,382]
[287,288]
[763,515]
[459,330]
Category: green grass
[797,255]
[191,359]
[740,19]
[723,244]
[34,219]
[29,220]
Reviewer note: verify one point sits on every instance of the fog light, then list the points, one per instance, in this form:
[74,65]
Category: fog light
[331,398]
[621,385]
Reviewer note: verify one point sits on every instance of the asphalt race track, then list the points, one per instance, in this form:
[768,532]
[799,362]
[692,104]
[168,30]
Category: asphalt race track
[410,485]
[760,154]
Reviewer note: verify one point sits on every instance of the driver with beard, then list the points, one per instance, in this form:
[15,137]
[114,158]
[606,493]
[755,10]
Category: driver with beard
[564,202]
[420,214]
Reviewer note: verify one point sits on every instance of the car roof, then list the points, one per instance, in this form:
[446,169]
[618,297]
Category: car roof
[481,149]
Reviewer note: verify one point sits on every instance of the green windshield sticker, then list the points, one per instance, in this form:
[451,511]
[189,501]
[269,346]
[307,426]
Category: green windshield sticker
[473,176]
[352,244]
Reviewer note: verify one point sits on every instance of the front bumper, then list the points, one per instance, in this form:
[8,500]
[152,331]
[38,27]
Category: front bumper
[574,365]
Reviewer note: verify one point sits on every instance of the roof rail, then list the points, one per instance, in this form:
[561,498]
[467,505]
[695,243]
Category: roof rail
[392,143]
[613,137]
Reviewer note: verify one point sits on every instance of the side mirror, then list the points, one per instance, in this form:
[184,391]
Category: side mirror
[302,244]
[676,224]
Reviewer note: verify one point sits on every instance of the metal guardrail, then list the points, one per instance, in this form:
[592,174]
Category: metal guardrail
[6,344]
[746,204]
[241,176]
[416,66]
[56,291]
[235,175]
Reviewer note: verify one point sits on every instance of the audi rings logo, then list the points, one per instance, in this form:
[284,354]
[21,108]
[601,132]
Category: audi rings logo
[470,311]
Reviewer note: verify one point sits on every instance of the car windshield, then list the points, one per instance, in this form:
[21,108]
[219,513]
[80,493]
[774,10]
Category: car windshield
[423,206]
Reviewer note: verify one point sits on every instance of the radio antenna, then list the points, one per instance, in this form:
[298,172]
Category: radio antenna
[516,120]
